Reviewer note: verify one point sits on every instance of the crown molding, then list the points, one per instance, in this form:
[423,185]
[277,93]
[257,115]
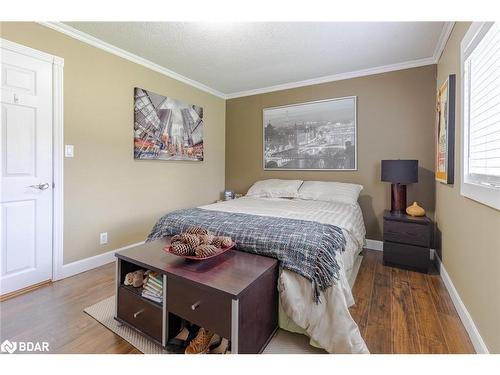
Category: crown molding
[98,43]
[86,38]
[443,39]
[337,77]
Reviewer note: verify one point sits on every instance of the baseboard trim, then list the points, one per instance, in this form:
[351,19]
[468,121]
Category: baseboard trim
[374,245]
[474,335]
[15,293]
[463,313]
[87,264]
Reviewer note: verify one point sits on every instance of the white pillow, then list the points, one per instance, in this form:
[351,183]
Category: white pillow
[275,188]
[330,191]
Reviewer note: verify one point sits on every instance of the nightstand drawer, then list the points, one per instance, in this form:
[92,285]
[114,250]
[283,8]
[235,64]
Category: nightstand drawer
[143,315]
[407,255]
[407,233]
[200,305]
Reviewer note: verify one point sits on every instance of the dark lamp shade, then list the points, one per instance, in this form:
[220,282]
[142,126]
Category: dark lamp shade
[400,171]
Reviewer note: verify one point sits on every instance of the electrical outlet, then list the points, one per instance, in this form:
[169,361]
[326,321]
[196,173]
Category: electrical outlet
[103,238]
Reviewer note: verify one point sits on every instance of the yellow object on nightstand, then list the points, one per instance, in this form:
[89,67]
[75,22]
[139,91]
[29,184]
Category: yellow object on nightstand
[415,210]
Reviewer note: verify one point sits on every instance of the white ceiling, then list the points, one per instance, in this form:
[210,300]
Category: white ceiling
[236,59]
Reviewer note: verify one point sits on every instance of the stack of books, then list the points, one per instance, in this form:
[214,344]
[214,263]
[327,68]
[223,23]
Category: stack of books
[153,287]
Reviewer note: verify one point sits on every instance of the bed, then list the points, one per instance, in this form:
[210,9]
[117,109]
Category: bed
[320,236]
[328,324]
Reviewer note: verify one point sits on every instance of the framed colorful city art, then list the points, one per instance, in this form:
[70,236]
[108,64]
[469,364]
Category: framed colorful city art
[166,128]
[445,132]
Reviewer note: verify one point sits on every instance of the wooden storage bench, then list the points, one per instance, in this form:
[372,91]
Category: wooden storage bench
[234,295]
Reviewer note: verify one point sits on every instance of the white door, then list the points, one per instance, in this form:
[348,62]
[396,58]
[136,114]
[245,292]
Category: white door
[26,163]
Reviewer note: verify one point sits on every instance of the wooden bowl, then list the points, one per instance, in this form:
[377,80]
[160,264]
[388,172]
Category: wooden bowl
[219,251]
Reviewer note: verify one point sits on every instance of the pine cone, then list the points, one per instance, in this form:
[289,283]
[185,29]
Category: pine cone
[226,241]
[180,248]
[176,238]
[197,230]
[217,241]
[205,250]
[192,240]
[206,239]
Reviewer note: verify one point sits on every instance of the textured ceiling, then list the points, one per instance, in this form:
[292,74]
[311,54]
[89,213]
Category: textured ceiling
[235,57]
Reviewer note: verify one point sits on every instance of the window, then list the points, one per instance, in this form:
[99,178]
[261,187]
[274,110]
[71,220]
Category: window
[480,57]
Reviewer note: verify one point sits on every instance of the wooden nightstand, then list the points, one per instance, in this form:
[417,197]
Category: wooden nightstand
[407,241]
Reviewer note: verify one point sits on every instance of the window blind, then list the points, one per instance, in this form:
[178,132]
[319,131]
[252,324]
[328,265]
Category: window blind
[482,101]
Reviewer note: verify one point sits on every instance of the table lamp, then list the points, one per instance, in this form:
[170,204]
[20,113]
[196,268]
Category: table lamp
[399,173]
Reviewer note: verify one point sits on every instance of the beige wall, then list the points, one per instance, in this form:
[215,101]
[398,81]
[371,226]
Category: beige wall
[105,188]
[395,120]
[469,230]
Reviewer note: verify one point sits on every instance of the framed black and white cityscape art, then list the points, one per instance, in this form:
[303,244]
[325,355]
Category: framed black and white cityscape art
[166,128]
[320,135]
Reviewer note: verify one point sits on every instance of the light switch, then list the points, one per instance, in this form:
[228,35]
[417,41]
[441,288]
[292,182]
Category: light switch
[69,151]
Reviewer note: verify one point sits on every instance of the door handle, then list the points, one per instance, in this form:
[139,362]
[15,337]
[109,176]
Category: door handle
[40,186]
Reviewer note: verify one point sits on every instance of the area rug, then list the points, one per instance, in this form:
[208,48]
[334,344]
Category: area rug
[283,342]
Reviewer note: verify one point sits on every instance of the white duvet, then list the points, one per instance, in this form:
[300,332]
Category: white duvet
[328,323]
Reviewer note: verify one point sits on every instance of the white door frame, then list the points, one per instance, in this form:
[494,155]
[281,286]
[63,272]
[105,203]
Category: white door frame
[57,148]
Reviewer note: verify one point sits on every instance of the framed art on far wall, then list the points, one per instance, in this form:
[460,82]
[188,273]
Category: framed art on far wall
[320,135]
[445,131]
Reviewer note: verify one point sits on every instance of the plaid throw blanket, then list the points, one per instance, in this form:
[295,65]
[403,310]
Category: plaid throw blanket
[305,247]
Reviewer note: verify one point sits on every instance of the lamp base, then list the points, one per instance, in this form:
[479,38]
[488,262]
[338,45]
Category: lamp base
[398,199]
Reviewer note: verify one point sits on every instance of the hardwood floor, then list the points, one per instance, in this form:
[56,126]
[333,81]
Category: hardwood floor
[55,314]
[397,311]
[401,311]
